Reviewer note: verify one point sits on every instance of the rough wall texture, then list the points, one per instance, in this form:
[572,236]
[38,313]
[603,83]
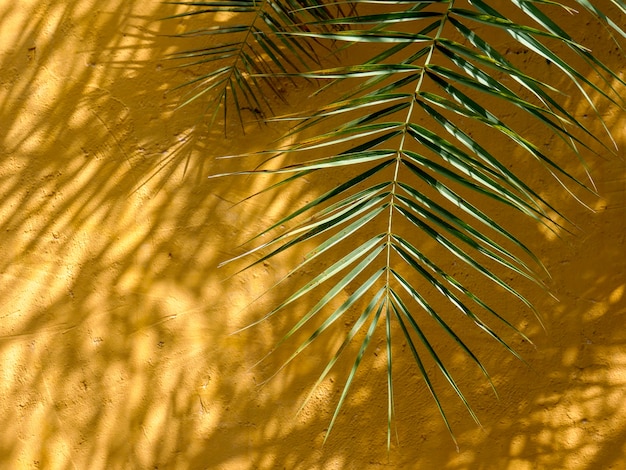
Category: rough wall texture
[115,345]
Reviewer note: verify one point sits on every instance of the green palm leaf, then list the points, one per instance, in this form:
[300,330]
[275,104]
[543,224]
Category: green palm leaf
[249,52]
[414,169]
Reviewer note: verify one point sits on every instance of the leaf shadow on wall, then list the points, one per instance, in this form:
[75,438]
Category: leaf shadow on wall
[115,336]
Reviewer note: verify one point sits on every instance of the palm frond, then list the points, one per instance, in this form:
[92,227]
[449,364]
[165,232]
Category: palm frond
[243,53]
[415,170]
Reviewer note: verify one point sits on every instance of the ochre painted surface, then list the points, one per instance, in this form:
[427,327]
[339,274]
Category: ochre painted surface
[116,349]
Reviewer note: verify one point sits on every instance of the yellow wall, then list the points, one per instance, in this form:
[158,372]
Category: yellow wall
[115,345]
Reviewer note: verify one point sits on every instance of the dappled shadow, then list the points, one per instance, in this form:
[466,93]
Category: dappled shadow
[114,339]
[114,316]
[115,331]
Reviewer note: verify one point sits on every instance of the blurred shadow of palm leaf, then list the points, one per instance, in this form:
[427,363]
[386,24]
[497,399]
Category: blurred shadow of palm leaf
[403,133]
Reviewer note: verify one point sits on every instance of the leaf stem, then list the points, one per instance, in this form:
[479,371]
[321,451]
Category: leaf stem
[399,154]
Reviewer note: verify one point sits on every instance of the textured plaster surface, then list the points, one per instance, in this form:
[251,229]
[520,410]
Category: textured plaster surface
[116,349]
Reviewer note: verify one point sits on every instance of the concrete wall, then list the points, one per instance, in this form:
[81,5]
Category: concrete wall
[115,322]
